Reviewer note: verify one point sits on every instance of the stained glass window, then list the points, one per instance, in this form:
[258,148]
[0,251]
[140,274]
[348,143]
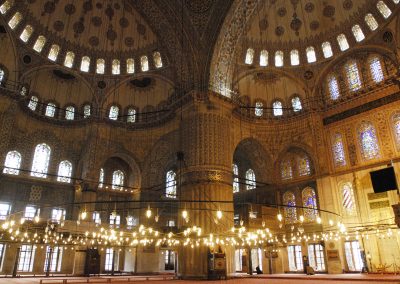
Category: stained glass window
[333,86]
[12,163]
[396,128]
[33,103]
[86,111]
[50,110]
[2,75]
[279,58]
[289,200]
[249,56]
[5,7]
[41,159]
[327,49]
[101,178]
[144,62]
[338,150]
[348,201]
[358,33]
[53,53]
[250,179]
[343,43]
[353,76]
[15,20]
[277,108]
[116,67]
[118,178]
[235,185]
[296,104]
[157,59]
[294,57]
[64,172]
[303,165]
[371,22]
[24,90]
[69,59]
[130,66]
[376,70]
[263,58]
[311,56]
[309,204]
[113,115]
[258,110]
[70,113]
[286,169]
[39,44]
[384,9]
[26,33]
[368,141]
[170,184]
[85,64]
[131,118]
[100,66]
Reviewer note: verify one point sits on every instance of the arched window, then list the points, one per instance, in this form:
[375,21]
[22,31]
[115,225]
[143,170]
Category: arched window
[258,110]
[70,113]
[113,115]
[2,76]
[157,59]
[144,62]
[53,53]
[311,56]
[348,200]
[371,22]
[368,141]
[277,108]
[309,203]
[286,169]
[279,58]
[41,159]
[375,68]
[130,66]
[131,118]
[69,59]
[64,172]
[235,185]
[26,33]
[339,157]
[100,66]
[170,184]
[396,1]
[343,43]
[33,103]
[101,178]
[249,56]
[39,43]
[50,110]
[263,58]
[383,9]
[12,163]
[15,20]
[85,64]
[289,200]
[303,165]
[296,104]
[333,86]
[358,33]
[250,179]
[353,76]
[24,91]
[294,57]
[5,7]
[86,111]
[118,178]
[327,49]
[116,67]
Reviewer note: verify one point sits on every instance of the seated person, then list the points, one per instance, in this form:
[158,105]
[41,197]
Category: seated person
[258,270]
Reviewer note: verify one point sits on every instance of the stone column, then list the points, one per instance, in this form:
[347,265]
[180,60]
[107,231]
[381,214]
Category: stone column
[205,177]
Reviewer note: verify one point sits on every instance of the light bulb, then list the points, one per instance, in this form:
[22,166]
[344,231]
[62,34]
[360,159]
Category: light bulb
[36,219]
[330,222]
[148,212]
[184,214]
[219,214]
[22,220]
[301,218]
[279,217]
[83,215]
[319,220]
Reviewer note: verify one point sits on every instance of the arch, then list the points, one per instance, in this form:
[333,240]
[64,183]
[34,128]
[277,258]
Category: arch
[64,171]
[368,141]
[290,210]
[170,184]
[347,198]
[41,160]
[295,149]
[309,199]
[12,163]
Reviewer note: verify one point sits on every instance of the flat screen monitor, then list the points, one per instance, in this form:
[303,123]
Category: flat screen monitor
[383,180]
